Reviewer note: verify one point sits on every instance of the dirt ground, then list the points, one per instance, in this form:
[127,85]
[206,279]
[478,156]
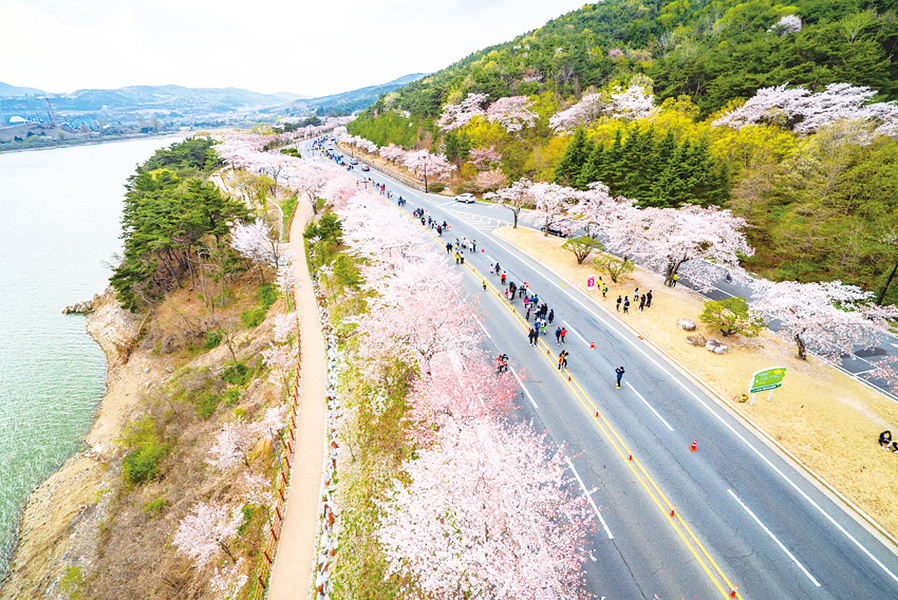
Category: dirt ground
[827,420]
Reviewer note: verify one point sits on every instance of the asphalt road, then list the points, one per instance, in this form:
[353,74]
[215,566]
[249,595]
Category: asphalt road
[675,523]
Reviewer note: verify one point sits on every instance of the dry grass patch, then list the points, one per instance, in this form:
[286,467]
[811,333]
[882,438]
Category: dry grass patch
[825,418]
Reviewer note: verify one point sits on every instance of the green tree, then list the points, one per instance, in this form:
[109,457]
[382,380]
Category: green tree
[574,159]
[582,247]
[732,316]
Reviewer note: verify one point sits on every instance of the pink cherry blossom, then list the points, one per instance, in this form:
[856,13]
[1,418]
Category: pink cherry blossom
[830,318]
[485,158]
[514,197]
[458,115]
[205,530]
[512,113]
[490,180]
[486,514]
[393,153]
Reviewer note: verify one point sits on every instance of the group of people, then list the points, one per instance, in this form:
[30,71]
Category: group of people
[644,301]
[886,442]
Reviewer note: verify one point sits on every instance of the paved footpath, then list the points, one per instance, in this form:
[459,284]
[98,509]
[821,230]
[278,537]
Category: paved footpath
[294,560]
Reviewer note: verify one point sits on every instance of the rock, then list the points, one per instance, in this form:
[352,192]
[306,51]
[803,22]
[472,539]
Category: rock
[687,324]
[697,340]
[715,347]
[79,308]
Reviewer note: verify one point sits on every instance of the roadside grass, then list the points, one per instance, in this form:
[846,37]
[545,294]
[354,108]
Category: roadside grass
[826,419]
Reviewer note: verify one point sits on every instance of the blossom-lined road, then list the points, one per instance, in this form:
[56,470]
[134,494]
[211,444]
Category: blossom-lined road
[743,514]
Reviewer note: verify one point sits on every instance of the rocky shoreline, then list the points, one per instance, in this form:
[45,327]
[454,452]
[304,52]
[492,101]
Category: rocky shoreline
[63,517]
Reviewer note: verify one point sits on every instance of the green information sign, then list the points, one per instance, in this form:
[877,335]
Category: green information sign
[767,379]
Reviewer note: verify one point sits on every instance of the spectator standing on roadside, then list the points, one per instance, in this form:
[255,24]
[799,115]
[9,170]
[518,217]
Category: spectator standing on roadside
[641,302]
[620,375]
[648,299]
[618,303]
[604,291]
[626,304]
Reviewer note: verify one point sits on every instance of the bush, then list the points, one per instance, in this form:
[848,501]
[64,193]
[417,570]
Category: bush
[436,187]
[206,404]
[237,374]
[231,396]
[142,464]
[213,339]
[253,317]
[155,507]
[267,296]
[467,187]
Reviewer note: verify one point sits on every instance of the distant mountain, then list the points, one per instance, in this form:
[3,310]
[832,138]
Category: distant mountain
[11,90]
[349,102]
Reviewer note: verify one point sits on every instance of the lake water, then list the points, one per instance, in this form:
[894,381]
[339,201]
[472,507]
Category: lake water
[61,212]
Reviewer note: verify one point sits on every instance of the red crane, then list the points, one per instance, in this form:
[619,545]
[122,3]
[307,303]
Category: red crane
[52,114]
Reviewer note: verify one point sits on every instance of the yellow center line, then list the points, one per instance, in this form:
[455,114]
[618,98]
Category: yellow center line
[704,558]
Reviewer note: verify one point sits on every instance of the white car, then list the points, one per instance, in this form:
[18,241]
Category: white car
[466,198]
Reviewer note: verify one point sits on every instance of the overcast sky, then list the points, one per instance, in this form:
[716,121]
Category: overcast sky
[306,47]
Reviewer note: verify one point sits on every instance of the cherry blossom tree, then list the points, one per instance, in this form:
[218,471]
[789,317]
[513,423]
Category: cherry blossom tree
[515,197]
[232,443]
[423,163]
[460,388]
[254,242]
[886,369]
[285,326]
[229,580]
[205,530]
[595,208]
[786,25]
[809,112]
[665,239]
[393,153]
[485,158]
[552,203]
[490,180]
[487,514]
[589,109]
[458,115]
[830,318]
[635,102]
[512,113]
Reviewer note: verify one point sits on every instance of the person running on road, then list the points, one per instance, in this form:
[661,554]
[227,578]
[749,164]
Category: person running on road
[558,336]
[484,284]
[563,333]
[440,230]
[473,245]
[462,254]
[448,247]
[551,316]
[503,277]
[532,336]
[620,375]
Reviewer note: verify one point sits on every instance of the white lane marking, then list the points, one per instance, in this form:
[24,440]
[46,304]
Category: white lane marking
[523,387]
[574,331]
[652,408]
[775,539]
[757,452]
[895,345]
[483,328]
[589,497]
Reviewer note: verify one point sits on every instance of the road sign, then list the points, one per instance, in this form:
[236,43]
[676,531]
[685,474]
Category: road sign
[767,379]
[591,284]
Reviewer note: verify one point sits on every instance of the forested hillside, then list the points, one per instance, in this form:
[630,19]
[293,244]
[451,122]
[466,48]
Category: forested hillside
[784,113]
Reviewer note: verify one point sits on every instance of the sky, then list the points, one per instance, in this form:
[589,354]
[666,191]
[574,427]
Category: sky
[308,48]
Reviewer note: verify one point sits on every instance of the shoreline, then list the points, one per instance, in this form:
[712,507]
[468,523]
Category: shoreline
[61,517]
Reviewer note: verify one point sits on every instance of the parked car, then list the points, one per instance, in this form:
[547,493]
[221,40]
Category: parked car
[466,198]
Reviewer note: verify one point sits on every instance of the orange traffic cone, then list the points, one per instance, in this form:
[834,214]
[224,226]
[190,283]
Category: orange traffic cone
[733,593]
[673,511]
[631,455]
[694,446]
[568,377]
[592,345]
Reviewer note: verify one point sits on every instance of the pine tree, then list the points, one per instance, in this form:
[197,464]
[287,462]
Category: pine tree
[594,169]
[567,172]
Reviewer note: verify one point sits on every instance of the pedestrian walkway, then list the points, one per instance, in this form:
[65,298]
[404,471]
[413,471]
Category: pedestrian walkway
[294,560]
